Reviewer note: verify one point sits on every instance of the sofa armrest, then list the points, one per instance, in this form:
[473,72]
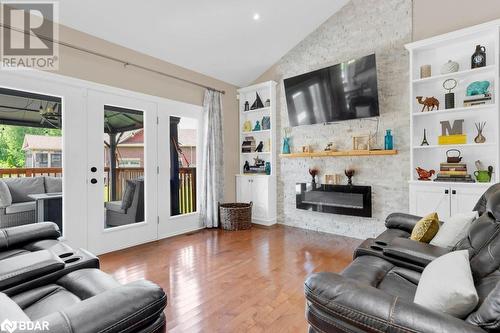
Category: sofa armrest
[417,252]
[25,267]
[13,236]
[342,302]
[401,221]
[123,309]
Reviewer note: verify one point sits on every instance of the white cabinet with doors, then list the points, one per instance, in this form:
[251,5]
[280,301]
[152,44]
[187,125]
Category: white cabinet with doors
[445,200]
[258,189]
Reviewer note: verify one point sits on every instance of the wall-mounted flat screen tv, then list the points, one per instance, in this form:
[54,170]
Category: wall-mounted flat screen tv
[344,91]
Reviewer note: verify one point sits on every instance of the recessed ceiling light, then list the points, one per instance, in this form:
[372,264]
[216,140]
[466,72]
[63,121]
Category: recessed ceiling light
[256,16]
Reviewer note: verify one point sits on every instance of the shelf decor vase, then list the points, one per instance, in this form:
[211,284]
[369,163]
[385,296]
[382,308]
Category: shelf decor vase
[388,140]
[268,168]
[450,67]
[286,145]
[478,58]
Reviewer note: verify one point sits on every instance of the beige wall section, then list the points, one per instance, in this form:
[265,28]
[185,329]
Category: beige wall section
[435,17]
[96,69]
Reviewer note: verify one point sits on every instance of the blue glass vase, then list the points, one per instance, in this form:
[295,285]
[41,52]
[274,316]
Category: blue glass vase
[388,140]
[286,146]
[268,168]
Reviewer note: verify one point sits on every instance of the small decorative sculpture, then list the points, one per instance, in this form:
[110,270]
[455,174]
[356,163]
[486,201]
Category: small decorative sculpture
[257,104]
[480,138]
[247,126]
[266,122]
[247,106]
[258,162]
[329,147]
[257,126]
[478,58]
[313,172]
[349,174]
[268,102]
[450,67]
[429,102]
[246,167]
[424,140]
[449,97]
[478,88]
[259,147]
[424,174]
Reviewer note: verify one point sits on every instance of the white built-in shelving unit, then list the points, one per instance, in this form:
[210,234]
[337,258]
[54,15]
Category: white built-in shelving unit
[445,197]
[260,188]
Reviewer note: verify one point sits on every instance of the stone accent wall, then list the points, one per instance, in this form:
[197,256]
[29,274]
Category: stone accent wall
[360,28]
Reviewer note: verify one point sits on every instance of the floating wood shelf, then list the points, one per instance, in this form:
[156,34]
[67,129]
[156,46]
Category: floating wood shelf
[341,153]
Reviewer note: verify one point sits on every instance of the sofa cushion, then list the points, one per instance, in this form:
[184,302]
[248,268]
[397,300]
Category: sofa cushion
[53,184]
[115,206]
[447,285]
[488,314]
[5,197]
[21,207]
[380,273]
[20,188]
[128,196]
[426,228]
[454,229]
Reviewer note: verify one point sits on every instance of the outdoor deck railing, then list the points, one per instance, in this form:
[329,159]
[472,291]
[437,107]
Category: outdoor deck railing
[187,181]
[187,190]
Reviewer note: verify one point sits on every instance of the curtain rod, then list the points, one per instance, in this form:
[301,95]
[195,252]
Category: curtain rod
[125,63]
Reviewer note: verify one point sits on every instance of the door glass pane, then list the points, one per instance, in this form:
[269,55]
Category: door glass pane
[183,142]
[30,131]
[123,166]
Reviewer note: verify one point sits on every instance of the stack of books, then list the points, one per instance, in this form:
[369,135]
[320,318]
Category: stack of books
[453,172]
[477,99]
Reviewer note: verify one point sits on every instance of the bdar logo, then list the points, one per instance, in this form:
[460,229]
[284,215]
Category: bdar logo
[8,326]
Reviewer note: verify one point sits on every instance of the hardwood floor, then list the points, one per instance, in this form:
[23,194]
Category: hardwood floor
[240,281]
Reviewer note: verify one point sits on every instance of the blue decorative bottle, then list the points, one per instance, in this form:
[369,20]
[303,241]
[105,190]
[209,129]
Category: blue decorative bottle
[268,168]
[388,140]
[286,145]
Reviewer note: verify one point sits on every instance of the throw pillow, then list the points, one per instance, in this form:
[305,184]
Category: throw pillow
[426,228]
[446,285]
[128,196]
[454,229]
[5,197]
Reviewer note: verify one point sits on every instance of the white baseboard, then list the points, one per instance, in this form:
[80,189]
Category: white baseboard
[266,223]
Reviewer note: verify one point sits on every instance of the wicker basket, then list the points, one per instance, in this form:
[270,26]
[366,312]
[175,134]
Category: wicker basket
[235,216]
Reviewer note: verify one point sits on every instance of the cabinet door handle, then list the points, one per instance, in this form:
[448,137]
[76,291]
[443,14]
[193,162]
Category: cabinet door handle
[446,192]
[453,192]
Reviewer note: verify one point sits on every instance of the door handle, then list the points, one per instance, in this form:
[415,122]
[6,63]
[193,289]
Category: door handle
[93,169]
[93,181]
[446,191]
[453,192]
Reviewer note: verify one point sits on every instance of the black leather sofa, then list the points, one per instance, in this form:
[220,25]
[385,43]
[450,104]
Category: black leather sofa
[375,292]
[43,281]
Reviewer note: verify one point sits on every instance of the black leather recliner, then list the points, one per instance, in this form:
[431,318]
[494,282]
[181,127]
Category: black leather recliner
[375,293]
[28,238]
[43,281]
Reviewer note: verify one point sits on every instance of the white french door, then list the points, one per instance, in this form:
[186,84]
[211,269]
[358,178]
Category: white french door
[179,162]
[121,171]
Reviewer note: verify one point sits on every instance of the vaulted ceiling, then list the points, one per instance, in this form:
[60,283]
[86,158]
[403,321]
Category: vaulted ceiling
[231,40]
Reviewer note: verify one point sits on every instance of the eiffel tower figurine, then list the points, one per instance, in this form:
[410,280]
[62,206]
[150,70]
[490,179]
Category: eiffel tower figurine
[424,141]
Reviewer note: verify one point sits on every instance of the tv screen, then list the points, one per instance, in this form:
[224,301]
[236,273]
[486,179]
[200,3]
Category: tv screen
[340,92]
